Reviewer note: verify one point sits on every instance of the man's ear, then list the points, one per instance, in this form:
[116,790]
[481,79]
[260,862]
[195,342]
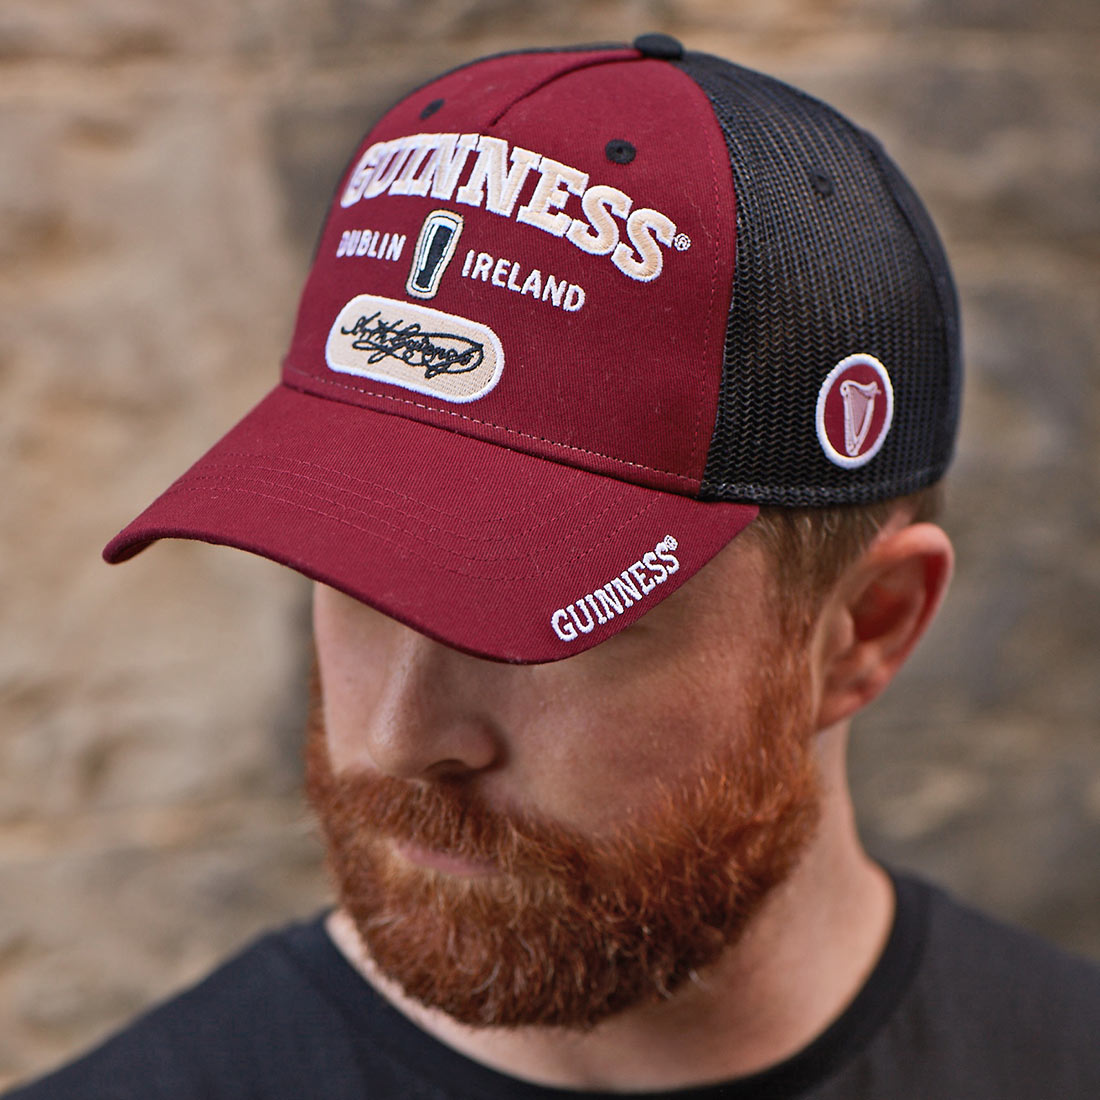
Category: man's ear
[877,612]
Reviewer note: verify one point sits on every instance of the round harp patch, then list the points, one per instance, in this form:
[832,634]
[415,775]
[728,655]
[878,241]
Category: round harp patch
[855,407]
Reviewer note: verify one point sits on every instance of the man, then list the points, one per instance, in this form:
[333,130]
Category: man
[610,431]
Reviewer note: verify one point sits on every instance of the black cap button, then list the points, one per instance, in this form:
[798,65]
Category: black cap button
[662,46]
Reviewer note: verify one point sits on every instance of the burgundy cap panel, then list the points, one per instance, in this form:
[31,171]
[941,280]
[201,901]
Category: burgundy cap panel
[493,552]
[572,346]
[486,89]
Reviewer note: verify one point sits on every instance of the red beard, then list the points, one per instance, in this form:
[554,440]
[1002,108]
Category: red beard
[570,930]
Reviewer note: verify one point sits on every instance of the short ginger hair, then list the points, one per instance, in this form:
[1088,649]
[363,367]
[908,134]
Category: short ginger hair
[809,548]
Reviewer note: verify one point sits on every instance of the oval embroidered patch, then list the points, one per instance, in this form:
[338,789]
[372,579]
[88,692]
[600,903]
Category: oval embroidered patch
[421,349]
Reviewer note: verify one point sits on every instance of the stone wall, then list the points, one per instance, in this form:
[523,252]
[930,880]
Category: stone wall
[163,173]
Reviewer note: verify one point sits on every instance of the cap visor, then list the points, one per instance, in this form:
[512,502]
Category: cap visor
[492,551]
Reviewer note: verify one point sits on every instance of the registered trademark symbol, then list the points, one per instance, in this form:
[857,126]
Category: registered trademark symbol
[681,242]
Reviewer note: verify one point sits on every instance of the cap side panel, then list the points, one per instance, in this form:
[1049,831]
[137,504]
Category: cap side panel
[541,80]
[827,268]
[582,47]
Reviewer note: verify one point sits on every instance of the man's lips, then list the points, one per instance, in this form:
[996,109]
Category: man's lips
[435,860]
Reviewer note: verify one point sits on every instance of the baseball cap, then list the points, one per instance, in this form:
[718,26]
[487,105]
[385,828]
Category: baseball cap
[574,315]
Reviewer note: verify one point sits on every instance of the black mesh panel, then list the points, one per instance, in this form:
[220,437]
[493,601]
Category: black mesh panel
[835,256]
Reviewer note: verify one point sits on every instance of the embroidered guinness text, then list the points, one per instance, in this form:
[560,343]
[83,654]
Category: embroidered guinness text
[631,586]
[423,164]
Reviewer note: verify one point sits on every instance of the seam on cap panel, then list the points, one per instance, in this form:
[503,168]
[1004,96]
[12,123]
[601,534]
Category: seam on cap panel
[404,545]
[472,62]
[255,469]
[587,63]
[694,481]
[709,112]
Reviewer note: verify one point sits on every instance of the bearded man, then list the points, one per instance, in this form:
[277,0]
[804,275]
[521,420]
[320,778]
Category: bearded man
[611,433]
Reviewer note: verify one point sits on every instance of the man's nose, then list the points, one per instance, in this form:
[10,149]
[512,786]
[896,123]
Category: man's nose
[431,720]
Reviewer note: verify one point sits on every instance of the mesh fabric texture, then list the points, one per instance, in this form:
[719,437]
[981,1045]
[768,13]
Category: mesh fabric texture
[835,256]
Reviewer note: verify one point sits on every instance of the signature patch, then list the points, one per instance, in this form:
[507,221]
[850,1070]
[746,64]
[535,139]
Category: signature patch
[415,347]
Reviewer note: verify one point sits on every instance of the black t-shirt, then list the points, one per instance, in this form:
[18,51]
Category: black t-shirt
[958,1007]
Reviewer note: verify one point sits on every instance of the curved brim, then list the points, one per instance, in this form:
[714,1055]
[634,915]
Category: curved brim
[492,551]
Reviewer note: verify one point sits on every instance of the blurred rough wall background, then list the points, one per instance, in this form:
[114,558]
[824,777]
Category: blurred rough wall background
[163,168]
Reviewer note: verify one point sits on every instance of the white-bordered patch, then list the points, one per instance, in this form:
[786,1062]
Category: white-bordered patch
[855,408]
[414,346]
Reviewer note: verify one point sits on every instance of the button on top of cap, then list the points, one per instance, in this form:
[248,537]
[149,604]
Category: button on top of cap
[662,46]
